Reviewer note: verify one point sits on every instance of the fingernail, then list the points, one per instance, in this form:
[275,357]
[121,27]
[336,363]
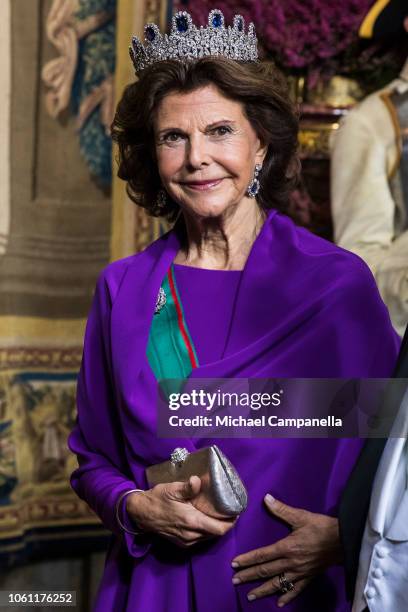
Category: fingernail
[251,597]
[236,580]
[269,498]
[234,564]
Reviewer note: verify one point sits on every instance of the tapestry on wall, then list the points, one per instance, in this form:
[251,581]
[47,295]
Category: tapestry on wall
[41,330]
[39,515]
[81,78]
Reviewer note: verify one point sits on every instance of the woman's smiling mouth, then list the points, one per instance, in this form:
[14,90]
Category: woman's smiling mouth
[202,185]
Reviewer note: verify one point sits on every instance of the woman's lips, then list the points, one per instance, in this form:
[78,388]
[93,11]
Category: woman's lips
[203,185]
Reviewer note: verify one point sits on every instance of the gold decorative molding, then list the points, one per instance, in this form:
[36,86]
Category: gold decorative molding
[155,11]
[314,140]
[338,92]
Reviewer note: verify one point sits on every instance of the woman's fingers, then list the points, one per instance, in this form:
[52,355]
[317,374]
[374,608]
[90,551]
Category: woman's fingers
[263,570]
[273,586]
[183,491]
[186,535]
[277,550]
[207,524]
[198,528]
[311,548]
[299,586]
[188,525]
[296,517]
[176,518]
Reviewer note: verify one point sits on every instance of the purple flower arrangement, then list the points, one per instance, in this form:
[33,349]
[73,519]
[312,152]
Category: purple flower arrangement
[316,38]
[303,34]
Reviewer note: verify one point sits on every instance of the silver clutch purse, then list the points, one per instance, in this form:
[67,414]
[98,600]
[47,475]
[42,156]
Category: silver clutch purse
[222,494]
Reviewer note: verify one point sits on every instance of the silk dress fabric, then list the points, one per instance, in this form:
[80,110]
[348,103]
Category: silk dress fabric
[207,297]
[304,307]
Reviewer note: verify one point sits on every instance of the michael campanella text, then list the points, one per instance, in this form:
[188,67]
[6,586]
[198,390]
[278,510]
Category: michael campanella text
[262,421]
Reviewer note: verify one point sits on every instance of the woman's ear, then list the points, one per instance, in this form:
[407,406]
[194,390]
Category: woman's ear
[262,150]
[261,153]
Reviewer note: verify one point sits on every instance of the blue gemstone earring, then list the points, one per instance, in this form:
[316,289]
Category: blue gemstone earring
[254,185]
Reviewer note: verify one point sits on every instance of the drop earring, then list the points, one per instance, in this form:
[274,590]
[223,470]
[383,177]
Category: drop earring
[254,185]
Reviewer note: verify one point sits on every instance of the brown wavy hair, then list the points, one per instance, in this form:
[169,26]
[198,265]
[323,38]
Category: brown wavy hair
[259,87]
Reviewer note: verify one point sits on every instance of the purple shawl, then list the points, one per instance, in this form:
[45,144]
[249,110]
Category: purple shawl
[305,308]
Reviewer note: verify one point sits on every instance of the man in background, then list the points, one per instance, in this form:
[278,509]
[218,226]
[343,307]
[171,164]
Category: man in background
[373,513]
[369,173]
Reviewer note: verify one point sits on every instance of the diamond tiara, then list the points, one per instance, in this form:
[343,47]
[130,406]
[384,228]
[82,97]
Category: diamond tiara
[186,41]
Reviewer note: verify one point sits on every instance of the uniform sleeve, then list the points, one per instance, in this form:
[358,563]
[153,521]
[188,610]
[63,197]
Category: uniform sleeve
[103,473]
[392,279]
[362,204]
[363,208]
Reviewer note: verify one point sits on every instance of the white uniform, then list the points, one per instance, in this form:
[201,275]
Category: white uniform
[382,580]
[364,154]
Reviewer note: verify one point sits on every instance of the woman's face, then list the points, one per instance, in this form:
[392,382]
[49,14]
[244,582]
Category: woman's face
[206,150]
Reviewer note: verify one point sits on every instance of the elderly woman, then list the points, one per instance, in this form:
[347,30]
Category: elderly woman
[207,138]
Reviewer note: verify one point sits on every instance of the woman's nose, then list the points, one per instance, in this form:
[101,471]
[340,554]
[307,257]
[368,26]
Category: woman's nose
[197,154]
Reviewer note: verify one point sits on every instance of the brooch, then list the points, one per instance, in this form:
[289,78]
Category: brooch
[161,300]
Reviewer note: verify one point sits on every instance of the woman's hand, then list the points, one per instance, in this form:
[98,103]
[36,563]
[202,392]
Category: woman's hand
[313,545]
[166,509]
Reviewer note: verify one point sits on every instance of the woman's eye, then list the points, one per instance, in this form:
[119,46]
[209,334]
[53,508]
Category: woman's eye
[172,137]
[222,130]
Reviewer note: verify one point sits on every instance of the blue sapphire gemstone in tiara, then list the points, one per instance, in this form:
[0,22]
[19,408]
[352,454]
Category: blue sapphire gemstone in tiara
[150,34]
[188,41]
[217,20]
[182,23]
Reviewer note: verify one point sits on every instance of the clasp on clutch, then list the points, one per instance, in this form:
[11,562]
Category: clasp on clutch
[178,455]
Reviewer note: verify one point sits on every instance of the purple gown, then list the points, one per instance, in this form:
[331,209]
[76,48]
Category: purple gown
[303,307]
[207,296]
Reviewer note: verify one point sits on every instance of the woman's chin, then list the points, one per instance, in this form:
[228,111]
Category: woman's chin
[207,207]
